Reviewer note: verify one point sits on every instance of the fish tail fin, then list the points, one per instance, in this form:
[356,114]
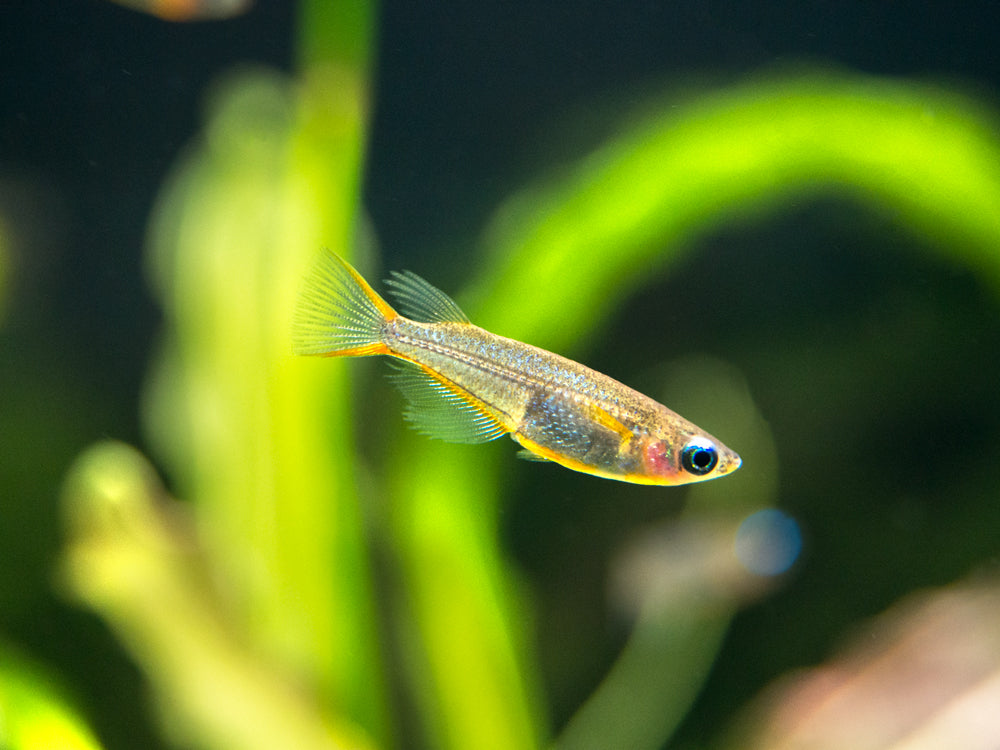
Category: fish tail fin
[338,313]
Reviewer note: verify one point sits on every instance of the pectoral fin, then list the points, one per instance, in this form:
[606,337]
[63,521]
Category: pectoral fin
[606,419]
[527,455]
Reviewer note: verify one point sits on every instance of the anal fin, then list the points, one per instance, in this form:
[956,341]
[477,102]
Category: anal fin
[440,409]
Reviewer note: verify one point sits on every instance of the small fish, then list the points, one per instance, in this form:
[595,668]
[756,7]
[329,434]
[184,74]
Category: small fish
[467,385]
[189,10]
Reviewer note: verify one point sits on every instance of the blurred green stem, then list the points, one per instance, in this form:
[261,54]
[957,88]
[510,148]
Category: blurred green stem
[335,32]
[34,713]
[261,441]
[471,671]
[139,567]
[576,247]
[653,682]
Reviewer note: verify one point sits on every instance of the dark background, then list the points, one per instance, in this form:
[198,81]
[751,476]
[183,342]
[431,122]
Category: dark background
[472,100]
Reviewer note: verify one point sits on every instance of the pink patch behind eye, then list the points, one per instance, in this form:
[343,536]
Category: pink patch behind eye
[657,458]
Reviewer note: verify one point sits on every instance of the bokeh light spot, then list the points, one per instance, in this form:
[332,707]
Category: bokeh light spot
[768,542]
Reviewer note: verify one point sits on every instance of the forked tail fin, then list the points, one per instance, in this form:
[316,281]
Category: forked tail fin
[338,314]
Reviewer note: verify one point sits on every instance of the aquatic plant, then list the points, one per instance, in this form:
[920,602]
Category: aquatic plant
[252,607]
[35,710]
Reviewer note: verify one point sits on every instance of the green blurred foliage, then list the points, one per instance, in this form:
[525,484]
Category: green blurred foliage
[262,442]
[138,563]
[34,711]
[633,205]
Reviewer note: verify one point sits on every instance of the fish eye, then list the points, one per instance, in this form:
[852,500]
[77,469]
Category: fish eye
[699,457]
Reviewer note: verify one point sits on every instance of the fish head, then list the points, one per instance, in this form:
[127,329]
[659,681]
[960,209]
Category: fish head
[686,455]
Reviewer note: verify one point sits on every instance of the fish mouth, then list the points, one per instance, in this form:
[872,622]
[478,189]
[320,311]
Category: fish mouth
[731,462]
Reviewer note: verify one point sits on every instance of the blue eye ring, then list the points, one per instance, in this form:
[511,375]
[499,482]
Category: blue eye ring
[699,457]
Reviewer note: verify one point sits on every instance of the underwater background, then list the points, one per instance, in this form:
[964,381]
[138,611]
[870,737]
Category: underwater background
[780,219]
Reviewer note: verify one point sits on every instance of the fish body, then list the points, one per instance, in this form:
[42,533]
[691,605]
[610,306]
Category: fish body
[465,384]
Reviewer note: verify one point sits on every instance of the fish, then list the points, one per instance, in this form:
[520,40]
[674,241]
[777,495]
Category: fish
[464,384]
[189,10]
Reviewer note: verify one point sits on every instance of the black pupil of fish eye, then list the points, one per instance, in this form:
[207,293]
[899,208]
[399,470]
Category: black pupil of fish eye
[699,459]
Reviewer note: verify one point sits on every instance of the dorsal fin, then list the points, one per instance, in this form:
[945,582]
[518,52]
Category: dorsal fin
[422,301]
[439,409]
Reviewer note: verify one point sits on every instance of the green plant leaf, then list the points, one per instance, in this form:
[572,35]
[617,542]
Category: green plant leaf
[34,712]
